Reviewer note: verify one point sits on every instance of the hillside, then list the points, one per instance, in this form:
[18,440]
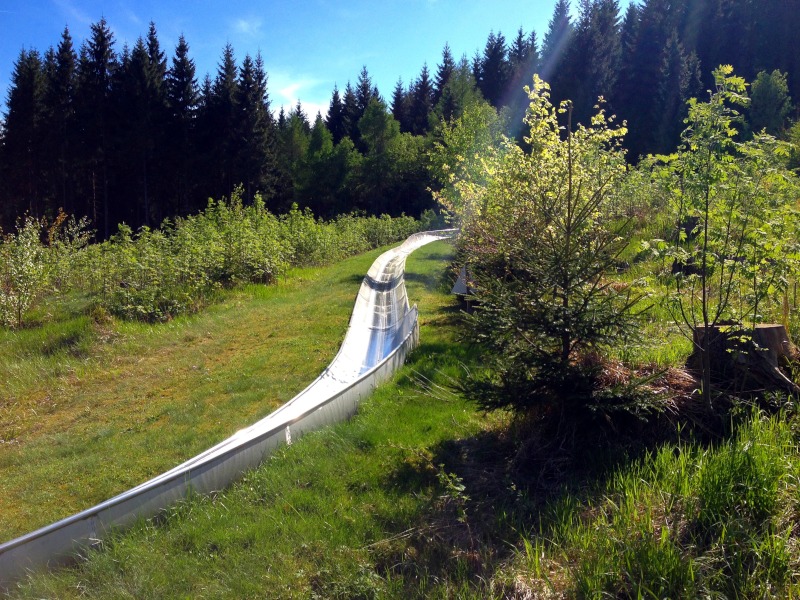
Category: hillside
[96,408]
[423,496]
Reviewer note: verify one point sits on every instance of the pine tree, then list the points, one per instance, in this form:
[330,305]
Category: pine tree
[400,106]
[96,67]
[59,119]
[254,130]
[182,100]
[523,57]
[770,104]
[133,138]
[494,73]
[159,118]
[644,75]
[351,113]
[443,73]
[364,91]
[624,92]
[606,44]
[459,93]
[670,107]
[22,135]
[556,40]
[221,125]
[379,133]
[591,64]
[316,182]
[421,102]
[293,141]
[335,118]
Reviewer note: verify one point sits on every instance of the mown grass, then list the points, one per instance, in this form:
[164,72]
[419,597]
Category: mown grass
[329,516]
[421,496]
[92,406]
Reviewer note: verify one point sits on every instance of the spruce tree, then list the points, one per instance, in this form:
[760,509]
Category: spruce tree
[678,82]
[645,74]
[159,176]
[335,118]
[221,128]
[253,129]
[364,91]
[59,119]
[96,67]
[495,70]
[624,91]
[22,134]
[316,181]
[591,64]
[770,104]
[182,100]
[131,157]
[459,93]
[351,113]
[421,102]
[443,73]
[400,106]
[559,32]
[523,57]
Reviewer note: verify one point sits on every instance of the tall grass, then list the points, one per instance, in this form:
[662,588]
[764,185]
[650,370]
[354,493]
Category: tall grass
[687,521]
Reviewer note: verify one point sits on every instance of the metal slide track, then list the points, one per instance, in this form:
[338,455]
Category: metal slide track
[383,329]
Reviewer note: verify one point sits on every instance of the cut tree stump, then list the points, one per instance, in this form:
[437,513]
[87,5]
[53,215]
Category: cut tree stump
[748,362]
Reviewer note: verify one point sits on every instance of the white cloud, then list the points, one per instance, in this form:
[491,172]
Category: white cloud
[73,12]
[286,89]
[247,27]
[131,16]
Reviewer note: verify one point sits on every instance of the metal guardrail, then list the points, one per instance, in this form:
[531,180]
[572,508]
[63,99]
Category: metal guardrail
[382,331]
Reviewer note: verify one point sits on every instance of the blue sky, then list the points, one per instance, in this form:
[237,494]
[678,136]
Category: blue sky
[307,45]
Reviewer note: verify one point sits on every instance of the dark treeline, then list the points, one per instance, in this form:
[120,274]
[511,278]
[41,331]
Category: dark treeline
[128,135]
[132,137]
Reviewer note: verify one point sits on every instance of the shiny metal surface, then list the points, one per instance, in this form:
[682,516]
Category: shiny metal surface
[383,329]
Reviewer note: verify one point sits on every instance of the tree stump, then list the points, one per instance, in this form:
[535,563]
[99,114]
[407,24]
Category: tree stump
[747,361]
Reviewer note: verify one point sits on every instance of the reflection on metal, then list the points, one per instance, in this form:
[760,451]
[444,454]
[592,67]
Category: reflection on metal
[383,330]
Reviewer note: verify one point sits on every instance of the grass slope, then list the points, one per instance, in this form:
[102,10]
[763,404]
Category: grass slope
[93,407]
[421,496]
[313,519]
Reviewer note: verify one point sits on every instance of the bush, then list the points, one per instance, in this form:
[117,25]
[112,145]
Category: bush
[154,275]
[23,271]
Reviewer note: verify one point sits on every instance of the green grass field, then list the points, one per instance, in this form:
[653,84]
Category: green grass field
[421,496]
[311,519]
[95,406]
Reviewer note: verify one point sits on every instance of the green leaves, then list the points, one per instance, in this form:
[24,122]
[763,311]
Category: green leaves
[157,274]
[23,272]
[739,195]
[540,233]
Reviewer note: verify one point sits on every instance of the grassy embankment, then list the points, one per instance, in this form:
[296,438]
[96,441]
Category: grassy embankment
[420,496]
[91,408]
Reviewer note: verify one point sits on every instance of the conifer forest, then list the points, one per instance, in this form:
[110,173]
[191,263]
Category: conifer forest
[130,134]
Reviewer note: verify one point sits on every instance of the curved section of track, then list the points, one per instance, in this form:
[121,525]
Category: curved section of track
[383,329]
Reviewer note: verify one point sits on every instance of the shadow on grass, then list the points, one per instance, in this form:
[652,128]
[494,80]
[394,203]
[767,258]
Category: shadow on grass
[483,491]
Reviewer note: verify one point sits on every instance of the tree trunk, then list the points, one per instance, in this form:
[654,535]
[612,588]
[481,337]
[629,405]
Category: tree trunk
[746,362]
